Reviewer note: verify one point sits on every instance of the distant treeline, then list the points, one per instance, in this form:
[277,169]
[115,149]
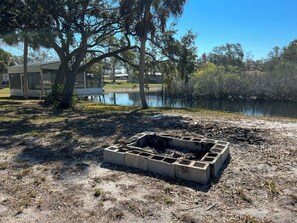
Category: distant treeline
[226,73]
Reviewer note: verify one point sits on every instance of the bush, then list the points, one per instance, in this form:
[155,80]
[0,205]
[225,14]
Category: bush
[55,97]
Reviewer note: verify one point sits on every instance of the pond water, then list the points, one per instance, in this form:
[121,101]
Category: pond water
[156,99]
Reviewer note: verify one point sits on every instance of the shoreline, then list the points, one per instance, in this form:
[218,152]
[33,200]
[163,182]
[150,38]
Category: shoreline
[151,89]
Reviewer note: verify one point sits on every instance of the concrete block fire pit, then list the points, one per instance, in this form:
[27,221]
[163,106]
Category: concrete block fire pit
[162,165]
[137,159]
[192,170]
[115,155]
[187,158]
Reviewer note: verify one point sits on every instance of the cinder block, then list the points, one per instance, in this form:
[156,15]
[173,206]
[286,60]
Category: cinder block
[206,144]
[216,162]
[219,151]
[132,140]
[222,142]
[114,155]
[191,170]
[184,143]
[191,144]
[223,148]
[166,135]
[198,139]
[137,159]
[162,165]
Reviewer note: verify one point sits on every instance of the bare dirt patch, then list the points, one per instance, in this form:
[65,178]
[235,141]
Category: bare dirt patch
[52,170]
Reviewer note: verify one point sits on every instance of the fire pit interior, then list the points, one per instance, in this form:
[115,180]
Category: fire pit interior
[167,145]
[194,159]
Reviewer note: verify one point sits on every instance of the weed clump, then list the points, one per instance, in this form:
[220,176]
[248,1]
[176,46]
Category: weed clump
[3,166]
[97,192]
[168,200]
[272,187]
[168,188]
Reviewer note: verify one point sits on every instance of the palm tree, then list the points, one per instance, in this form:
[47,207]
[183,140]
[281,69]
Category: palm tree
[150,16]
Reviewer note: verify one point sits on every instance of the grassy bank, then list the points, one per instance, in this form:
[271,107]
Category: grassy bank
[122,85]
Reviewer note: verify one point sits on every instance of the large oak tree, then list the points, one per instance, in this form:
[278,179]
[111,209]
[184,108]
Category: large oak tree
[82,29]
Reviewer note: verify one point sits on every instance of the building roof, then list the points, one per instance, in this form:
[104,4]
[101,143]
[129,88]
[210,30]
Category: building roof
[35,67]
[37,64]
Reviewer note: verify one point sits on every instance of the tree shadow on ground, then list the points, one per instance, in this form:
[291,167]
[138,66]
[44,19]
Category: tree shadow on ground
[6,103]
[126,124]
[104,129]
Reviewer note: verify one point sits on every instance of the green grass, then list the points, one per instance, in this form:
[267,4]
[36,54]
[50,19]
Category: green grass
[9,119]
[4,166]
[272,187]
[168,200]
[4,93]
[168,188]
[117,81]
[98,106]
[124,85]
[47,119]
[6,100]
[97,192]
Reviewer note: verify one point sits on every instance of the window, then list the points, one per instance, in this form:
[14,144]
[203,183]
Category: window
[34,81]
[15,81]
[49,78]
[93,81]
[80,83]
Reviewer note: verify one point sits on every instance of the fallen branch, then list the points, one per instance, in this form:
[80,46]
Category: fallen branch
[211,207]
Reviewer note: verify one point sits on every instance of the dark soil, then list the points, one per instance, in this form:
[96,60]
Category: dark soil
[233,134]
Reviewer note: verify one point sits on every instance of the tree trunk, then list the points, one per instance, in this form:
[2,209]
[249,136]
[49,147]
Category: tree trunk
[113,74]
[141,72]
[68,88]
[25,80]
[130,76]
[1,80]
[59,79]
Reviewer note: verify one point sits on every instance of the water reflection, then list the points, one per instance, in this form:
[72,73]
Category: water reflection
[257,108]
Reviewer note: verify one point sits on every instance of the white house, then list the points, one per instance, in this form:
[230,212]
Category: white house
[41,77]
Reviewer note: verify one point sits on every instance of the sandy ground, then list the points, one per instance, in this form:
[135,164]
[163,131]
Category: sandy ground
[51,168]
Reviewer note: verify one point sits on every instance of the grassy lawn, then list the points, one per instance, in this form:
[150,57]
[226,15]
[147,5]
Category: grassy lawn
[4,93]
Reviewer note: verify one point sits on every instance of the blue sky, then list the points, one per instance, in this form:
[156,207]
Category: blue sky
[258,25]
